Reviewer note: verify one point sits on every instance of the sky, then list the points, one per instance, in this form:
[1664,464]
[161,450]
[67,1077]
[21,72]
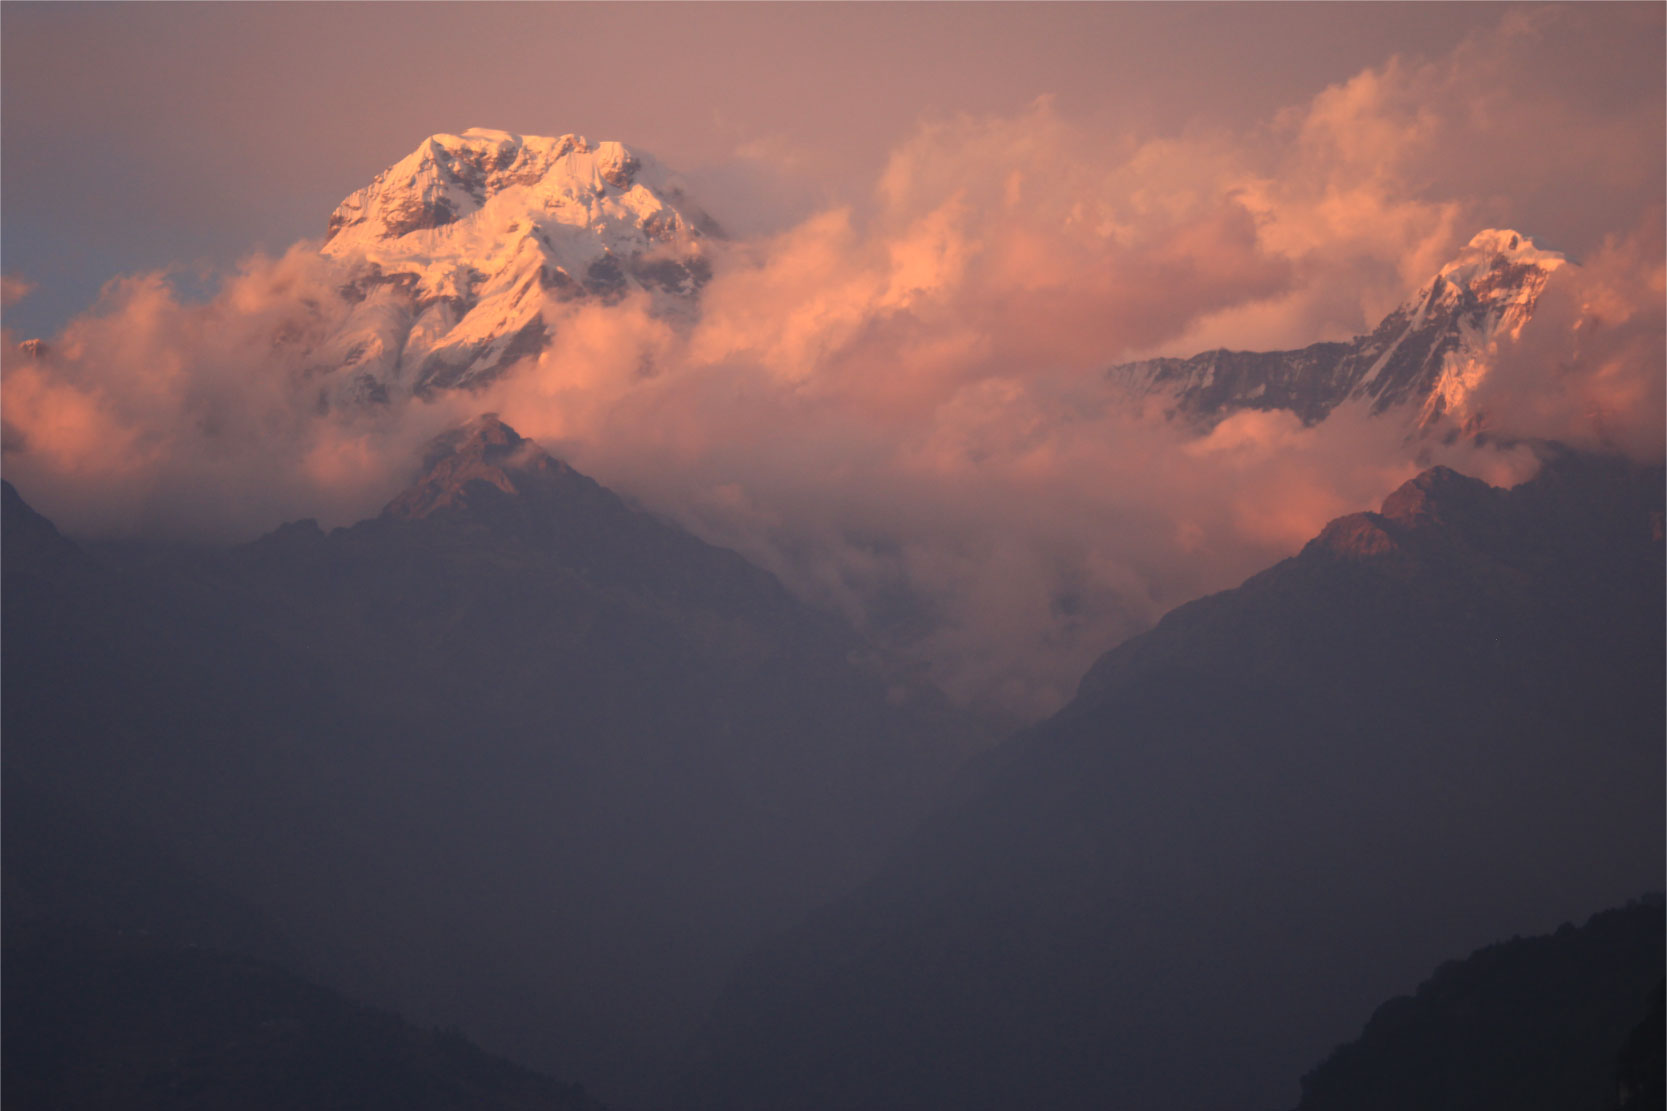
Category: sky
[139,136]
[946,220]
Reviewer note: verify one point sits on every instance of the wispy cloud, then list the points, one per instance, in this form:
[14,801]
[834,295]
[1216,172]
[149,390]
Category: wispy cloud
[14,289]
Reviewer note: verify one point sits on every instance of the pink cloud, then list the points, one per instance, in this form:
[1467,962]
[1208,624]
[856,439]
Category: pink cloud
[1592,368]
[14,289]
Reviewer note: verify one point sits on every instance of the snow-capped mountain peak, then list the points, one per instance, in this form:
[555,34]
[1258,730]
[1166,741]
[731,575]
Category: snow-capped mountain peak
[1493,249]
[451,177]
[1428,356]
[1499,270]
[1483,297]
[463,252]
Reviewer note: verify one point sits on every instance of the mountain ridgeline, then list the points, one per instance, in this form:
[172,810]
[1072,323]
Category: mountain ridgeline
[463,258]
[1438,725]
[1427,356]
[512,756]
[517,758]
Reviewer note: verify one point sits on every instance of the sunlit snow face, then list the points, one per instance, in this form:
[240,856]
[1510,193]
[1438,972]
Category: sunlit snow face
[483,238]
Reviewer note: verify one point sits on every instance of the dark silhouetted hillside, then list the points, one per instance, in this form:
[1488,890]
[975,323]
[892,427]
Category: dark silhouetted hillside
[1641,1079]
[1530,1024]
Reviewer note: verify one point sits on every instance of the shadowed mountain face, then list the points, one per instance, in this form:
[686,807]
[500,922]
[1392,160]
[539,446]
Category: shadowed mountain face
[1535,1024]
[512,756]
[131,982]
[108,1022]
[1438,725]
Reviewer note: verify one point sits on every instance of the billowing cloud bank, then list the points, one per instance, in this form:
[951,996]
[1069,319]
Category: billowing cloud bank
[902,411]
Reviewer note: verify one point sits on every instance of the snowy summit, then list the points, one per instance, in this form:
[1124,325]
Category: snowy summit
[1425,358]
[457,250]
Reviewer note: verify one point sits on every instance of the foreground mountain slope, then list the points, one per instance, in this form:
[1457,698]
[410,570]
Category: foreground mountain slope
[512,756]
[1429,355]
[132,982]
[1641,1075]
[1530,1024]
[110,1022]
[1436,726]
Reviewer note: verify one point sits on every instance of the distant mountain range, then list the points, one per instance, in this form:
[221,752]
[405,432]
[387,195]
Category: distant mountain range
[460,258]
[1428,356]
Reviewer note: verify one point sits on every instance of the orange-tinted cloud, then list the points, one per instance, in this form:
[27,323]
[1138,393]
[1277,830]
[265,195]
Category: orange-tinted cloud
[154,414]
[14,289]
[1592,370]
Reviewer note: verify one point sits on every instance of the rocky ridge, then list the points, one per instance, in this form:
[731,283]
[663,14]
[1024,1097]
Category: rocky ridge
[1428,356]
